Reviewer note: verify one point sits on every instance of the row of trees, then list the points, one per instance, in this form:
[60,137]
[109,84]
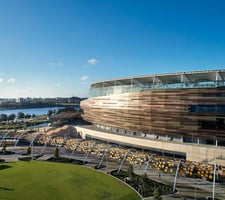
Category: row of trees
[65,109]
[12,117]
[21,115]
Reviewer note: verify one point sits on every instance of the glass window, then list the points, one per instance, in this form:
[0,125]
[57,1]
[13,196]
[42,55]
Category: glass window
[207,108]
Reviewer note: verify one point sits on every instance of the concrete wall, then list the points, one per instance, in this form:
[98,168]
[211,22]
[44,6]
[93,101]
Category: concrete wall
[194,152]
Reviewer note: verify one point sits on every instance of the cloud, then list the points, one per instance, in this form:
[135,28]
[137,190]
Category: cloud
[92,61]
[11,80]
[58,84]
[83,78]
[1,80]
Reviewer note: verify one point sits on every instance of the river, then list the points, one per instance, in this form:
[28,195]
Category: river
[30,111]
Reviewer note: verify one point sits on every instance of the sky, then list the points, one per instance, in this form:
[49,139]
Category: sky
[57,48]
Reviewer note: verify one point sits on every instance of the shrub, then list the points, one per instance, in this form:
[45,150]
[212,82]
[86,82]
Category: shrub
[157,194]
[28,150]
[56,154]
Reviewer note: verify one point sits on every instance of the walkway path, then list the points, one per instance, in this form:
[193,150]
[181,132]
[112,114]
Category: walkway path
[189,188]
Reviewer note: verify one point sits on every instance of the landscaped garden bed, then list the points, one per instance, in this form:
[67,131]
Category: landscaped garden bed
[145,186]
[67,160]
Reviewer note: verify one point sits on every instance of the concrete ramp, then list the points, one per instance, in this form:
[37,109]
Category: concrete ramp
[69,131]
[45,157]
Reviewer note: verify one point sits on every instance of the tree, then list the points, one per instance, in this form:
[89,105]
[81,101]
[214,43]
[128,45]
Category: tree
[144,177]
[24,126]
[4,145]
[11,117]
[3,117]
[28,150]
[27,116]
[20,115]
[56,153]
[130,172]
[157,194]
[50,112]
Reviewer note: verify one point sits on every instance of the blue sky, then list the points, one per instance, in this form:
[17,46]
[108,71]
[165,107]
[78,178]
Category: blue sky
[51,48]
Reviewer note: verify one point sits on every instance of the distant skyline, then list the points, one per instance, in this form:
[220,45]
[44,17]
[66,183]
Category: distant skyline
[57,48]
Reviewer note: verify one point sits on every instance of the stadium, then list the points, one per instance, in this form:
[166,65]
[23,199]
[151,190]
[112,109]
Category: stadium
[182,114]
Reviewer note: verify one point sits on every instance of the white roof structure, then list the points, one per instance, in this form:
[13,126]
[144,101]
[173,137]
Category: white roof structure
[167,78]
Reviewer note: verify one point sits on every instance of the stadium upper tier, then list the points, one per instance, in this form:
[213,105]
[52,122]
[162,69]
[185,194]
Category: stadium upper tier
[196,79]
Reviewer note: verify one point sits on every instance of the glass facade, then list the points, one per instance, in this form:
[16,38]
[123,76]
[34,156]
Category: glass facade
[207,108]
[120,89]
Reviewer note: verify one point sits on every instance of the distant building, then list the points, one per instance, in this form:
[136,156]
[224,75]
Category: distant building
[6,100]
[24,100]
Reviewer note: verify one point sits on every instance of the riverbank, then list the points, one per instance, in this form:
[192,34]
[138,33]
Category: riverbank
[24,124]
[10,106]
[30,111]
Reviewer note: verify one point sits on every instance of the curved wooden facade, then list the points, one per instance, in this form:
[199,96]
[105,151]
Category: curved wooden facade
[168,111]
[195,112]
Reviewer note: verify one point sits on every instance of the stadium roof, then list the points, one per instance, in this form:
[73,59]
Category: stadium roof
[167,78]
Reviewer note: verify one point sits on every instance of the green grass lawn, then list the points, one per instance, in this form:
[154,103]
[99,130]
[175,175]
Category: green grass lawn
[39,180]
